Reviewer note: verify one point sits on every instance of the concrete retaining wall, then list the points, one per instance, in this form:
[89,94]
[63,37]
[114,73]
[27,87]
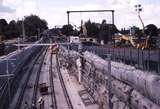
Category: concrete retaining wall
[131,88]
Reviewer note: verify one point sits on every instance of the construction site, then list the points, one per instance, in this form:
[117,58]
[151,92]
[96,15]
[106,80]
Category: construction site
[64,69]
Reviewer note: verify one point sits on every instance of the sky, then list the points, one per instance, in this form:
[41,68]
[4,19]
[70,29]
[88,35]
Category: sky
[54,11]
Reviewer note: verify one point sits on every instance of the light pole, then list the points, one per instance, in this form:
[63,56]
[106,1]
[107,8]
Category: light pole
[23,30]
[139,9]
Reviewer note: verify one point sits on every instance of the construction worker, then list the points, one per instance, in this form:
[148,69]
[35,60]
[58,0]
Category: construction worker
[34,106]
[26,105]
[40,103]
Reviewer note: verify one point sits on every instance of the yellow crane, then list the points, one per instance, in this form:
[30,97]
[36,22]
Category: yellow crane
[133,41]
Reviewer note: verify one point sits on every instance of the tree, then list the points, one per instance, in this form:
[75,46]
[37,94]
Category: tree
[137,32]
[3,26]
[75,32]
[88,26]
[34,25]
[151,30]
[67,30]
[12,30]
[19,27]
[124,31]
[107,31]
[92,29]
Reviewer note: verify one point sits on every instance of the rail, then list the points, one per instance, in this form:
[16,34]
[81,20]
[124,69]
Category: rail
[34,97]
[70,106]
[29,72]
[53,96]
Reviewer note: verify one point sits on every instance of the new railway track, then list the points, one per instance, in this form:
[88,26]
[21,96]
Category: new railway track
[39,59]
[57,85]
[65,92]
[31,80]
[53,95]
[14,82]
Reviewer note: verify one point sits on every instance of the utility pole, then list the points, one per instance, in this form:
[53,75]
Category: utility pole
[68,17]
[23,30]
[139,9]
[109,81]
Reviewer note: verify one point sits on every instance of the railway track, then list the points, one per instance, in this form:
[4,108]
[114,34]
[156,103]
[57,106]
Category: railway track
[53,103]
[39,58]
[59,95]
[14,82]
[66,95]
[34,98]
[53,95]
[42,69]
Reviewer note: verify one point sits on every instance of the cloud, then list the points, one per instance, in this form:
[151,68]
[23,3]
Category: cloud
[23,8]
[26,8]
[55,11]
[126,16]
[5,9]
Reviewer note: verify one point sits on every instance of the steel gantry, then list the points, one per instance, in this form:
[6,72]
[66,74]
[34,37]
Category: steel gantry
[91,11]
[84,11]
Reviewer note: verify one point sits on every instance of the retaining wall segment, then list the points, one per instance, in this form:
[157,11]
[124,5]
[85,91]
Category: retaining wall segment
[131,88]
[146,83]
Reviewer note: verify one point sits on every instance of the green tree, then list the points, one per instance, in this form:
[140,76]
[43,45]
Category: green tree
[151,30]
[92,29]
[107,31]
[137,32]
[12,30]
[19,27]
[67,30]
[33,25]
[3,27]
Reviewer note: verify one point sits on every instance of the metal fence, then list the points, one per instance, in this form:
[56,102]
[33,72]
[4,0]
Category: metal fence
[142,59]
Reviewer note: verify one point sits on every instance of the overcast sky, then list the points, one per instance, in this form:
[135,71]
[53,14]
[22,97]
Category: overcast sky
[54,11]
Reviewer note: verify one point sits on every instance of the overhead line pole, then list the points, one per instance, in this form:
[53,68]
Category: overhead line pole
[68,16]
[23,30]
